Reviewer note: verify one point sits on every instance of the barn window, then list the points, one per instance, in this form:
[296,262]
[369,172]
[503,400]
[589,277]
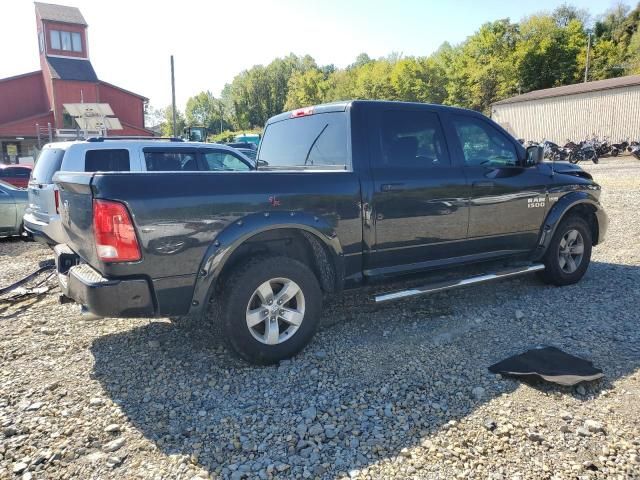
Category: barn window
[66,41]
[76,42]
[55,39]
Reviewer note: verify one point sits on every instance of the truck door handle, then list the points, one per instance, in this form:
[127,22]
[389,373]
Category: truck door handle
[392,187]
[484,184]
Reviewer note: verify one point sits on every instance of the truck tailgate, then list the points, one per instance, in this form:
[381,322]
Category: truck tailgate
[76,213]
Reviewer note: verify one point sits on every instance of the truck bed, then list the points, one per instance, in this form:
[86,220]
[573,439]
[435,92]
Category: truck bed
[179,216]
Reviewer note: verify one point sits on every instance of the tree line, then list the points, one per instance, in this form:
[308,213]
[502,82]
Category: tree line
[500,60]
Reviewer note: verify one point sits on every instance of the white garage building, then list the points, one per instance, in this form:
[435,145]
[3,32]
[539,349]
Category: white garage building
[605,108]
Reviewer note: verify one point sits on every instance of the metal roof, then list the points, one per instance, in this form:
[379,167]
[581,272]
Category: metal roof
[60,13]
[72,69]
[608,84]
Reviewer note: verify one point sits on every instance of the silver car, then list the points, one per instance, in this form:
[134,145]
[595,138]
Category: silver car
[13,201]
[42,217]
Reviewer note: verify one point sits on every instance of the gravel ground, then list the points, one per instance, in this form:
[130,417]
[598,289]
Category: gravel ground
[400,391]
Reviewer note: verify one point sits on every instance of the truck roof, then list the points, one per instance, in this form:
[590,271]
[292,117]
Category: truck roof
[342,106]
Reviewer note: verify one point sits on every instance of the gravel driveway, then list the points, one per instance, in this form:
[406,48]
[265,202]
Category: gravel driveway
[399,391]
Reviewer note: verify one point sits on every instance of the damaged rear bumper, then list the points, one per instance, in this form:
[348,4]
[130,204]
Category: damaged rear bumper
[102,296]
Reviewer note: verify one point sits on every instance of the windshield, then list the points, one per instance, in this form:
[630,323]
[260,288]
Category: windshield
[47,164]
[319,140]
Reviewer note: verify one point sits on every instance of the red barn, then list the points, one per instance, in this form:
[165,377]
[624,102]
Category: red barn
[31,105]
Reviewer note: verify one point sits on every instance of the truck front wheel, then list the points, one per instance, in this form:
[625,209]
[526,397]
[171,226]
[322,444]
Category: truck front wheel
[569,253]
[271,309]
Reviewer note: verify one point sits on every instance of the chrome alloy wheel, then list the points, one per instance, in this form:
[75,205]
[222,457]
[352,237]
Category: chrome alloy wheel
[275,311]
[570,252]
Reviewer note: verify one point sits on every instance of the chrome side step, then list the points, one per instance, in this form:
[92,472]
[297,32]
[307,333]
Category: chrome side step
[438,287]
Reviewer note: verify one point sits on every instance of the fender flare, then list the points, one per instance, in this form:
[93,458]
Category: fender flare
[243,229]
[557,213]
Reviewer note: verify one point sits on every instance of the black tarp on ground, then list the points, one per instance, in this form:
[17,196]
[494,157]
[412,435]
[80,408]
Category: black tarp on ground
[550,364]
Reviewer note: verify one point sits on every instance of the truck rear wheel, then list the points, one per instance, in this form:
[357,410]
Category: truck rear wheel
[569,252]
[271,309]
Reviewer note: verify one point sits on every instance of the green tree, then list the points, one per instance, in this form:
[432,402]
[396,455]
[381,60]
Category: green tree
[205,110]
[341,85]
[615,50]
[633,60]
[482,70]
[565,13]
[167,125]
[418,80]
[361,60]
[306,88]
[613,25]
[608,60]
[153,117]
[373,81]
[546,54]
[261,92]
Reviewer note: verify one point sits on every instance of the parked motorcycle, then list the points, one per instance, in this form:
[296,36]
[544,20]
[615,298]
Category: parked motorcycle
[584,151]
[603,147]
[589,149]
[554,152]
[618,148]
[635,151]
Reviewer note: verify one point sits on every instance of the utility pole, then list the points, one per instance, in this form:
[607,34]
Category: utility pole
[221,112]
[173,99]
[586,67]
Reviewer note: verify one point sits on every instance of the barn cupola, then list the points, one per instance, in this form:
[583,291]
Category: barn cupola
[62,40]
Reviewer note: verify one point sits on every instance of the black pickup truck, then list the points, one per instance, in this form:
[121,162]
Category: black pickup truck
[343,194]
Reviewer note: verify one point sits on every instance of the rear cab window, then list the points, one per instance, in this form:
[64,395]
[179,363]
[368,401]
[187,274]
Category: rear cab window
[47,164]
[107,160]
[315,141]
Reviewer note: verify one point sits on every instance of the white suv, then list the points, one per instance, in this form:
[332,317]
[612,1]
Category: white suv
[41,219]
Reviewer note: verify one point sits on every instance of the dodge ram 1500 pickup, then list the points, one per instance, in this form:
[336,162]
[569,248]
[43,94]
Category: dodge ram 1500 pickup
[344,194]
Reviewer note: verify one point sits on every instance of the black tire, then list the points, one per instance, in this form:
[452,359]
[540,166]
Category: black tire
[553,272]
[23,234]
[614,152]
[239,291]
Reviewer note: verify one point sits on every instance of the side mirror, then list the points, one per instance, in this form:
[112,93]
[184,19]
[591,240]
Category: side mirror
[262,163]
[535,154]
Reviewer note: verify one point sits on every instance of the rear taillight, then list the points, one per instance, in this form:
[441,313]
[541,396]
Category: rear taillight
[114,233]
[56,195]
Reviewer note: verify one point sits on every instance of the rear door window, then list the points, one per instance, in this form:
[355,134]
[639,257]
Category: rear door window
[107,160]
[318,140]
[222,160]
[47,164]
[412,139]
[159,160]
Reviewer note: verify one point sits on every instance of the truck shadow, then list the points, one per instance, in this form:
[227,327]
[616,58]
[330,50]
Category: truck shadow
[380,379]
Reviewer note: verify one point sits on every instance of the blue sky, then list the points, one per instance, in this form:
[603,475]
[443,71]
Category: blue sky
[130,41]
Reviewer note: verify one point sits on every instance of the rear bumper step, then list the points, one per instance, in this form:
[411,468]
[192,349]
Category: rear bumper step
[103,297]
[440,286]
